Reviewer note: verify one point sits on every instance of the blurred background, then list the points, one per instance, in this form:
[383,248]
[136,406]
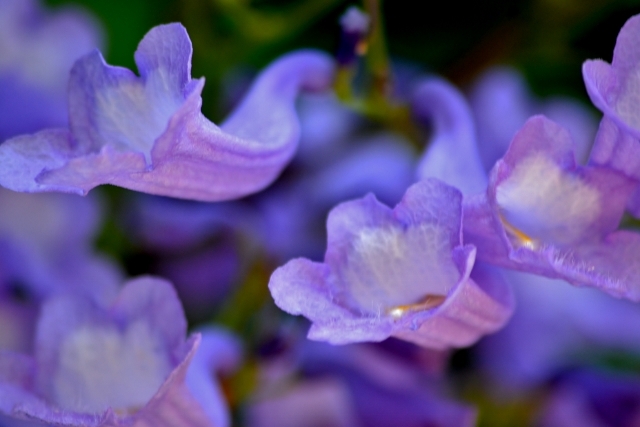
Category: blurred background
[547,40]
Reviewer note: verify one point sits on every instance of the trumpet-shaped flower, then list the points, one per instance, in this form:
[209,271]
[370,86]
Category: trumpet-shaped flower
[401,272]
[147,133]
[96,366]
[544,214]
[615,88]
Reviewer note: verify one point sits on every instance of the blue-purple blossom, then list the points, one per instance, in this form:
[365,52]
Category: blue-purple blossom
[353,386]
[124,364]
[45,250]
[544,214]
[401,272]
[586,324]
[501,103]
[453,153]
[37,51]
[592,399]
[147,133]
[613,88]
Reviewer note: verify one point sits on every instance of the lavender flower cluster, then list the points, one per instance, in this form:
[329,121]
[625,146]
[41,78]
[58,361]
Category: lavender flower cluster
[512,200]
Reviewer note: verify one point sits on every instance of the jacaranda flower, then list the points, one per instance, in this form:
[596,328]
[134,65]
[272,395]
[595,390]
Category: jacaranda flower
[615,89]
[401,272]
[502,102]
[586,324]
[545,215]
[147,133]
[124,364]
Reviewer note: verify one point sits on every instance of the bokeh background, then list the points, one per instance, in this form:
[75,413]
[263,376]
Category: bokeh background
[546,40]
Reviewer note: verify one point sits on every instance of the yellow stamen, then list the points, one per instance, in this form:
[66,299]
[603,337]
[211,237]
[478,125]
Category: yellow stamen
[428,302]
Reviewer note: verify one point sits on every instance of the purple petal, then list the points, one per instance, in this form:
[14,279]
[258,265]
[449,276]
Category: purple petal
[400,272]
[554,218]
[219,352]
[38,52]
[148,134]
[452,155]
[613,88]
[502,103]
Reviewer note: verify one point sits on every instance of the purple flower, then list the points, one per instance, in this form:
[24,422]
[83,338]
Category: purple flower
[45,249]
[593,399]
[147,133]
[401,272]
[106,366]
[452,154]
[613,88]
[353,386]
[38,51]
[584,321]
[501,103]
[219,352]
[544,214]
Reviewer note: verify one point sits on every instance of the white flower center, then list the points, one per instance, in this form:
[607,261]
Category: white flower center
[629,99]
[392,267]
[100,367]
[547,204]
[133,115]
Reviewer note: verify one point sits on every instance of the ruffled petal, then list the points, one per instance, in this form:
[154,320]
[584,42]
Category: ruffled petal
[147,133]
[400,272]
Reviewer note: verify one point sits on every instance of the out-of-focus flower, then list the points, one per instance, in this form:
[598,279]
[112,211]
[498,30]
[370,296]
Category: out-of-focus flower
[147,133]
[45,249]
[95,366]
[192,244]
[353,386]
[219,352]
[355,29]
[401,272]
[592,399]
[453,153]
[586,324]
[545,215]
[37,51]
[613,88]
[501,103]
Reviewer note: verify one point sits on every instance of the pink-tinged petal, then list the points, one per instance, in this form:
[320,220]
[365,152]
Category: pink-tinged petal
[173,404]
[400,272]
[452,154]
[147,133]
